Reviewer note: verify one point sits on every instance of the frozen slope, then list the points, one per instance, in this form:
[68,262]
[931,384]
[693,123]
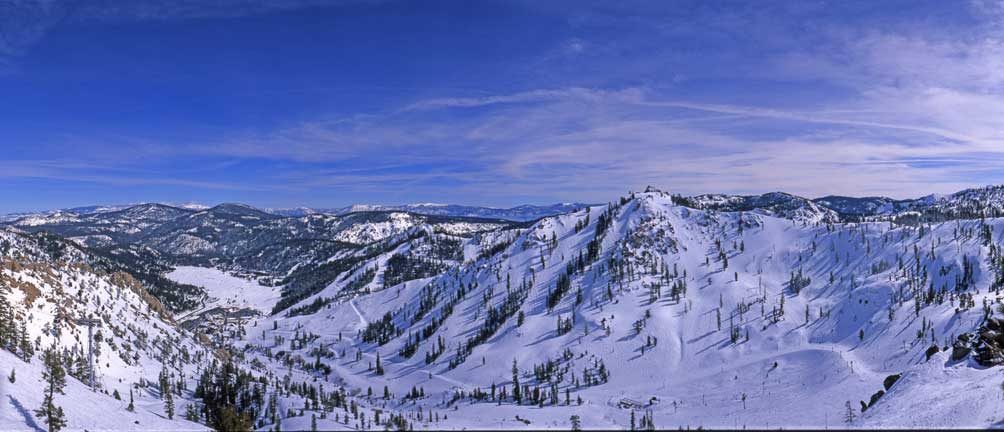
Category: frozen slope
[84,409]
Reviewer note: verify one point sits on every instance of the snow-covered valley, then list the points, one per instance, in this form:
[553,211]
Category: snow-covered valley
[225,290]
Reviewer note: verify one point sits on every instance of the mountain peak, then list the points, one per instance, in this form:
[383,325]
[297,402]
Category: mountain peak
[237,209]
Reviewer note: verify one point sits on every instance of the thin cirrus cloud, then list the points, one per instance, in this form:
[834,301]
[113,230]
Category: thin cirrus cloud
[912,97]
[592,143]
[577,139]
[110,175]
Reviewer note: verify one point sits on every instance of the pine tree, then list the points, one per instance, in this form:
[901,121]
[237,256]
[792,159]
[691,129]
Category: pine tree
[576,423]
[516,394]
[131,406]
[13,376]
[81,370]
[313,422]
[220,388]
[849,414]
[230,420]
[191,413]
[379,367]
[7,335]
[169,404]
[27,351]
[55,378]
[162,382]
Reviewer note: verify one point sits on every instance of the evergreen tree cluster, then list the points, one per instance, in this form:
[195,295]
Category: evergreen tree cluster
[405,267]
[797,281]
[13,334]
[381,331]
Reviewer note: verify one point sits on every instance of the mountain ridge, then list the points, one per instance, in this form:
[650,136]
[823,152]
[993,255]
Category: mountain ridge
[845,207]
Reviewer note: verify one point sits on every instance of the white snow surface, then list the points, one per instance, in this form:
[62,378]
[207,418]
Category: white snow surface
[84,409]
[224,289]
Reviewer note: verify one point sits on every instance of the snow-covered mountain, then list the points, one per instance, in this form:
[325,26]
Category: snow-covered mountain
[45,286]
[76,212]
[987,201]
[829,208]
[712,311]
[237,237]
[778,204]
[699,318]
[520,213]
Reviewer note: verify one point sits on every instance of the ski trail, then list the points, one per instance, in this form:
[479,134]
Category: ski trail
[361,317]
[449,380]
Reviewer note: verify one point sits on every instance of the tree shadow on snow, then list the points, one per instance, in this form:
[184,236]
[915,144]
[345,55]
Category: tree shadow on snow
[720,344]
[29,420]
[553,334]
[698,338]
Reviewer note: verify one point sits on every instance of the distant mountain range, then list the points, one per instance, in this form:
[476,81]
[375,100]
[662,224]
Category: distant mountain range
[987,201]
[520,213]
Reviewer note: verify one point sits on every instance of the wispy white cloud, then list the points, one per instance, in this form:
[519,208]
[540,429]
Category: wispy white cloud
[578,142]
[576,93]
[116,175]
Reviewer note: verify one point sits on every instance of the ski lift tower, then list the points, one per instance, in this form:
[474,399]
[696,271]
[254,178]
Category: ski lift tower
[90,323]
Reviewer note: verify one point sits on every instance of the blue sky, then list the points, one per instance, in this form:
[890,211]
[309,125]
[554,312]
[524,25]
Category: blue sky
[328,103]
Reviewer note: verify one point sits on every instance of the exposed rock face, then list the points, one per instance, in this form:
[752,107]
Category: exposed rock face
[932,350]
[987,344]
[890,380]
[962,346]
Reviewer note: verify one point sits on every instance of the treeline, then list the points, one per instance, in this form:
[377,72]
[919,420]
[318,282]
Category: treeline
[308,281]
[401,268]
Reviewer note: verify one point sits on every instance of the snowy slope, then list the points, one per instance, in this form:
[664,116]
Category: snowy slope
[84,409]
[793,371]
[136,341]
